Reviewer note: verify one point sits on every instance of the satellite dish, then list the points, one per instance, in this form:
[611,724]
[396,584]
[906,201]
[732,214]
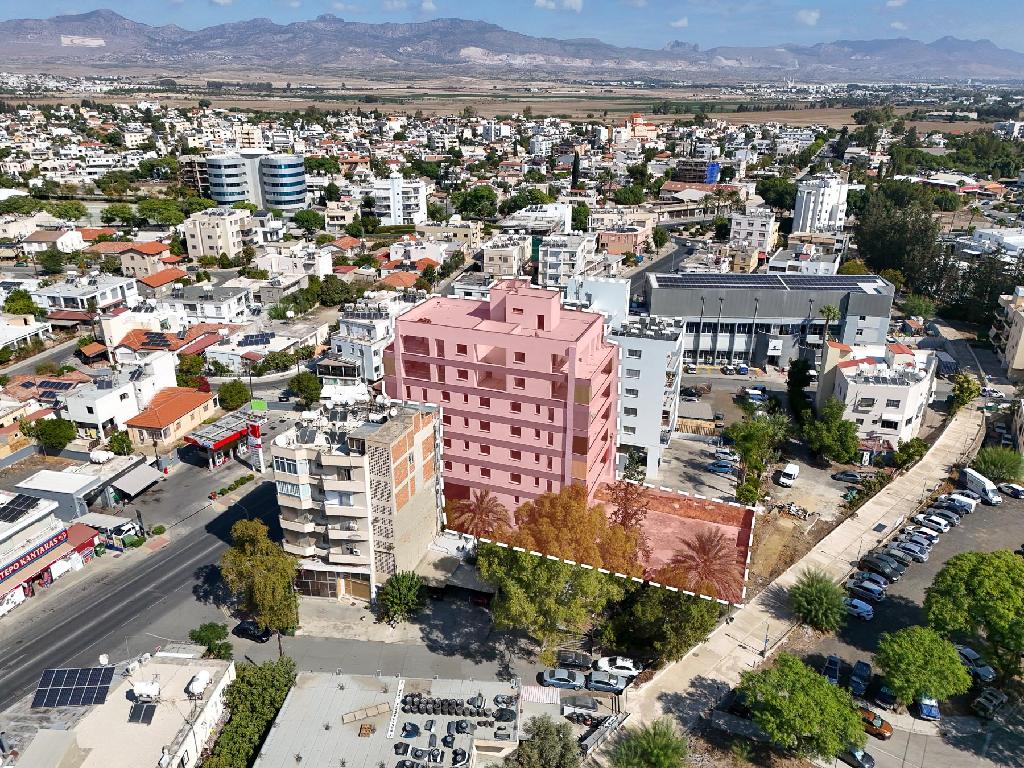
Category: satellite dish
[379,399]
[393,412]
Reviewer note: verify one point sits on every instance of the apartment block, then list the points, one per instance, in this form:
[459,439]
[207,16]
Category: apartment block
[1007,333]
[468,235]
[366,328]
[565,257]
[529,390]
[218,230]
[756,228]
[398,201]
[359,492]
[506,255]
[820,204]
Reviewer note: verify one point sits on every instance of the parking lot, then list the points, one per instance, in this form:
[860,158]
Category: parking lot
[961,739]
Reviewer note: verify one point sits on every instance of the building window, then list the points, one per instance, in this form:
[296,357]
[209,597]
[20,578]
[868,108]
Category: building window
[632,393]
[448,466]
[461,349]
[485,402]
[892,403]
[281,464]
[292,489]
[485,450]
[515,478]
[632,373]
[517,407]
[890,424]
[517,310]
[629,430]
[515,431]
[515,455]
[485,426]
[636,354]
[518,383]
[519,357]
[446,397]
[462,374]
[630,411]
[485,473]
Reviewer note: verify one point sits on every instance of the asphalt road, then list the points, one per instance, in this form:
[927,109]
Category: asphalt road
[92,621]
[57,354]
[666,263]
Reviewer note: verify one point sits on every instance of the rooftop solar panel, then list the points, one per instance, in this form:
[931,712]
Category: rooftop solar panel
[17,508]
[142,713]
[76,687]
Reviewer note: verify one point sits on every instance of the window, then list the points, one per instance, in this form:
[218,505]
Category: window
[485,402]
[517,407]
[886,424]
[447,443]
[629,430]
[860,421]
[446,397]
[515,478]
[515,455]
[518,382]
[636,354]
[632,373]
[462,374]
[281,464]
[519,357]
[517,310]
[292,489]
[448,466]
[632,393]
[462,349]
[630,411]
[88,409]
[515,431]
[485,450]
[485,426]
[892,403]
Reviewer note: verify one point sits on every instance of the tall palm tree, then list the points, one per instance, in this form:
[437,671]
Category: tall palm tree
[829,314]
[480,515]
[706,563]
[658,745]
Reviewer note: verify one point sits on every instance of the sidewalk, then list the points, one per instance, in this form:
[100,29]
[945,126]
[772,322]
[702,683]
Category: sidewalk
[689,687]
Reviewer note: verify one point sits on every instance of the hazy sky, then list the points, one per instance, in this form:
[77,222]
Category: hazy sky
[646,23]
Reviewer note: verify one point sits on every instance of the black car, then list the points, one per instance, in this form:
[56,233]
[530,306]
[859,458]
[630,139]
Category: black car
[574,659]
[880,554]
[250,630]
[874,565]
[690,392]
[885,698]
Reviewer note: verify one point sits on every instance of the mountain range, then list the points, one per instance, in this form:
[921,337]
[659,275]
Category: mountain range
[103,41]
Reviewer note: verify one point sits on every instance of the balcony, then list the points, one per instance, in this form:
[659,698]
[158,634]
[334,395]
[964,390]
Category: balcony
[491,381]
[334,511]
[346,556]
[304,548]
[299,523]
[345,486]
[347,531]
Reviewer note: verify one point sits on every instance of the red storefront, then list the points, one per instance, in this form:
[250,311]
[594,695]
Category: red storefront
[69,550]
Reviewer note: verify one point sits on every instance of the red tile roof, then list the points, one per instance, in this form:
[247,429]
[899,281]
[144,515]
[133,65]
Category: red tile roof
[93,349]
[900,349]
[163,277]
[169,405]
[136,339]
[345,269]
[151,248]
[346,242]
[401,279]
[91,233]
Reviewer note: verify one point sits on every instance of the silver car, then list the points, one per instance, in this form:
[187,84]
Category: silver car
[562,678]
[916,552]
[598,680]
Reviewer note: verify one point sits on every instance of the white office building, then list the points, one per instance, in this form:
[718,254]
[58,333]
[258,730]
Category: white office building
[258,176]
[365,329]
[820,204]
[804,260]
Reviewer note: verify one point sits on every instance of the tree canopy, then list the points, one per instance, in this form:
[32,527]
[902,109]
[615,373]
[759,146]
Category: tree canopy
[402,597]
[918,661]
[233,394]
[547,744]
[308,220]
[19,302]
[800,710]
[830,436]
[306,385]
[654,745]
[1000,465]
[261,574]
[480,202]
[818,601]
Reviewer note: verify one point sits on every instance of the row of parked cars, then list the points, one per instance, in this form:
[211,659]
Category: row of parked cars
[576,670]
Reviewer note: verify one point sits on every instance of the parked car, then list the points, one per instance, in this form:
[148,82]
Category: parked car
[831,669]
[721,467]
[619,665]
[250,630]
[859,609]
[857,758]
[846,476]
[872,578]
[924,533]
[599,680]
[788,475]
[568,659]
[885,698]
[992,392]
[961,502]
[875,725]
[944,514]
[1012,490]
[865,590]
[928,708]
[860,678]
[726,454]
[975,664]
[690,392]
[729,370]
[988,704]
[562,678]
[916,540]
[930,521]
[902,558]
[690,368]
[874,565]
[888,559]
[916,552]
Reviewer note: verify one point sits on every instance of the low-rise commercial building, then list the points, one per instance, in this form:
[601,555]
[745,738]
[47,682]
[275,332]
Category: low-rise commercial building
[804,260]
[360,494]
[170,415]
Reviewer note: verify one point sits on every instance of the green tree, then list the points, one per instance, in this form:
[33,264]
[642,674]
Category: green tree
[905,238]
[68,210]
[402,597]
[332,193]
[306,387]
[233,394]
[918,661]
[629,195]
[656,745]
[894,276]
[853,267]
[1000,465]
[830,436]
[982,594]
[580,217]
[799,709]
[919,306]
[798,378]
[51,261]
[830,314]
[908,452]
[214,637]
[120,443]
[547,744]
[965,389]
[659,622]
[660,237]
[334,291]
[436,211]
[118,213]
[190,368]
[777,192]
[480,202]
[818,601]
[261,575]
[574,178]
[19,302]
[308,220]
[161,211]
[546,598]
[55,434]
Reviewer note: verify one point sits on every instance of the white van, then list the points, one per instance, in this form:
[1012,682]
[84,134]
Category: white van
[789,475]
[966,504]
[973,480]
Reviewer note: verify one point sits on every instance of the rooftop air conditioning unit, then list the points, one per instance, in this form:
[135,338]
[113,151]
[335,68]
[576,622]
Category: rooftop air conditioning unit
[354,551]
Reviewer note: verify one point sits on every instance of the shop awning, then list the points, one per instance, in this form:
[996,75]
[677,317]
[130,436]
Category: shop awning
[39,565]
[137,480]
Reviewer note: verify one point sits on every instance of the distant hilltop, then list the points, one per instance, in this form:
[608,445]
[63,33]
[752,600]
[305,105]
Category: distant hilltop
[103,40]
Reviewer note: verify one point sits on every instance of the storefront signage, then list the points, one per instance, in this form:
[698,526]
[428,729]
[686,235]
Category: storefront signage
[32,555]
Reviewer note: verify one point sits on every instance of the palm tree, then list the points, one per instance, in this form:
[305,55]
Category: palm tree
[480,515]
[829,314]
[707,563]
[658,745]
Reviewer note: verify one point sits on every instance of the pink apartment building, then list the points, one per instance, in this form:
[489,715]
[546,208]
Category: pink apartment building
[528,389]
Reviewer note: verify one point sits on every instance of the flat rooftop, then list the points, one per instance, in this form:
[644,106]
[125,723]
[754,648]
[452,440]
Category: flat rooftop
[361,718]
[870,284]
